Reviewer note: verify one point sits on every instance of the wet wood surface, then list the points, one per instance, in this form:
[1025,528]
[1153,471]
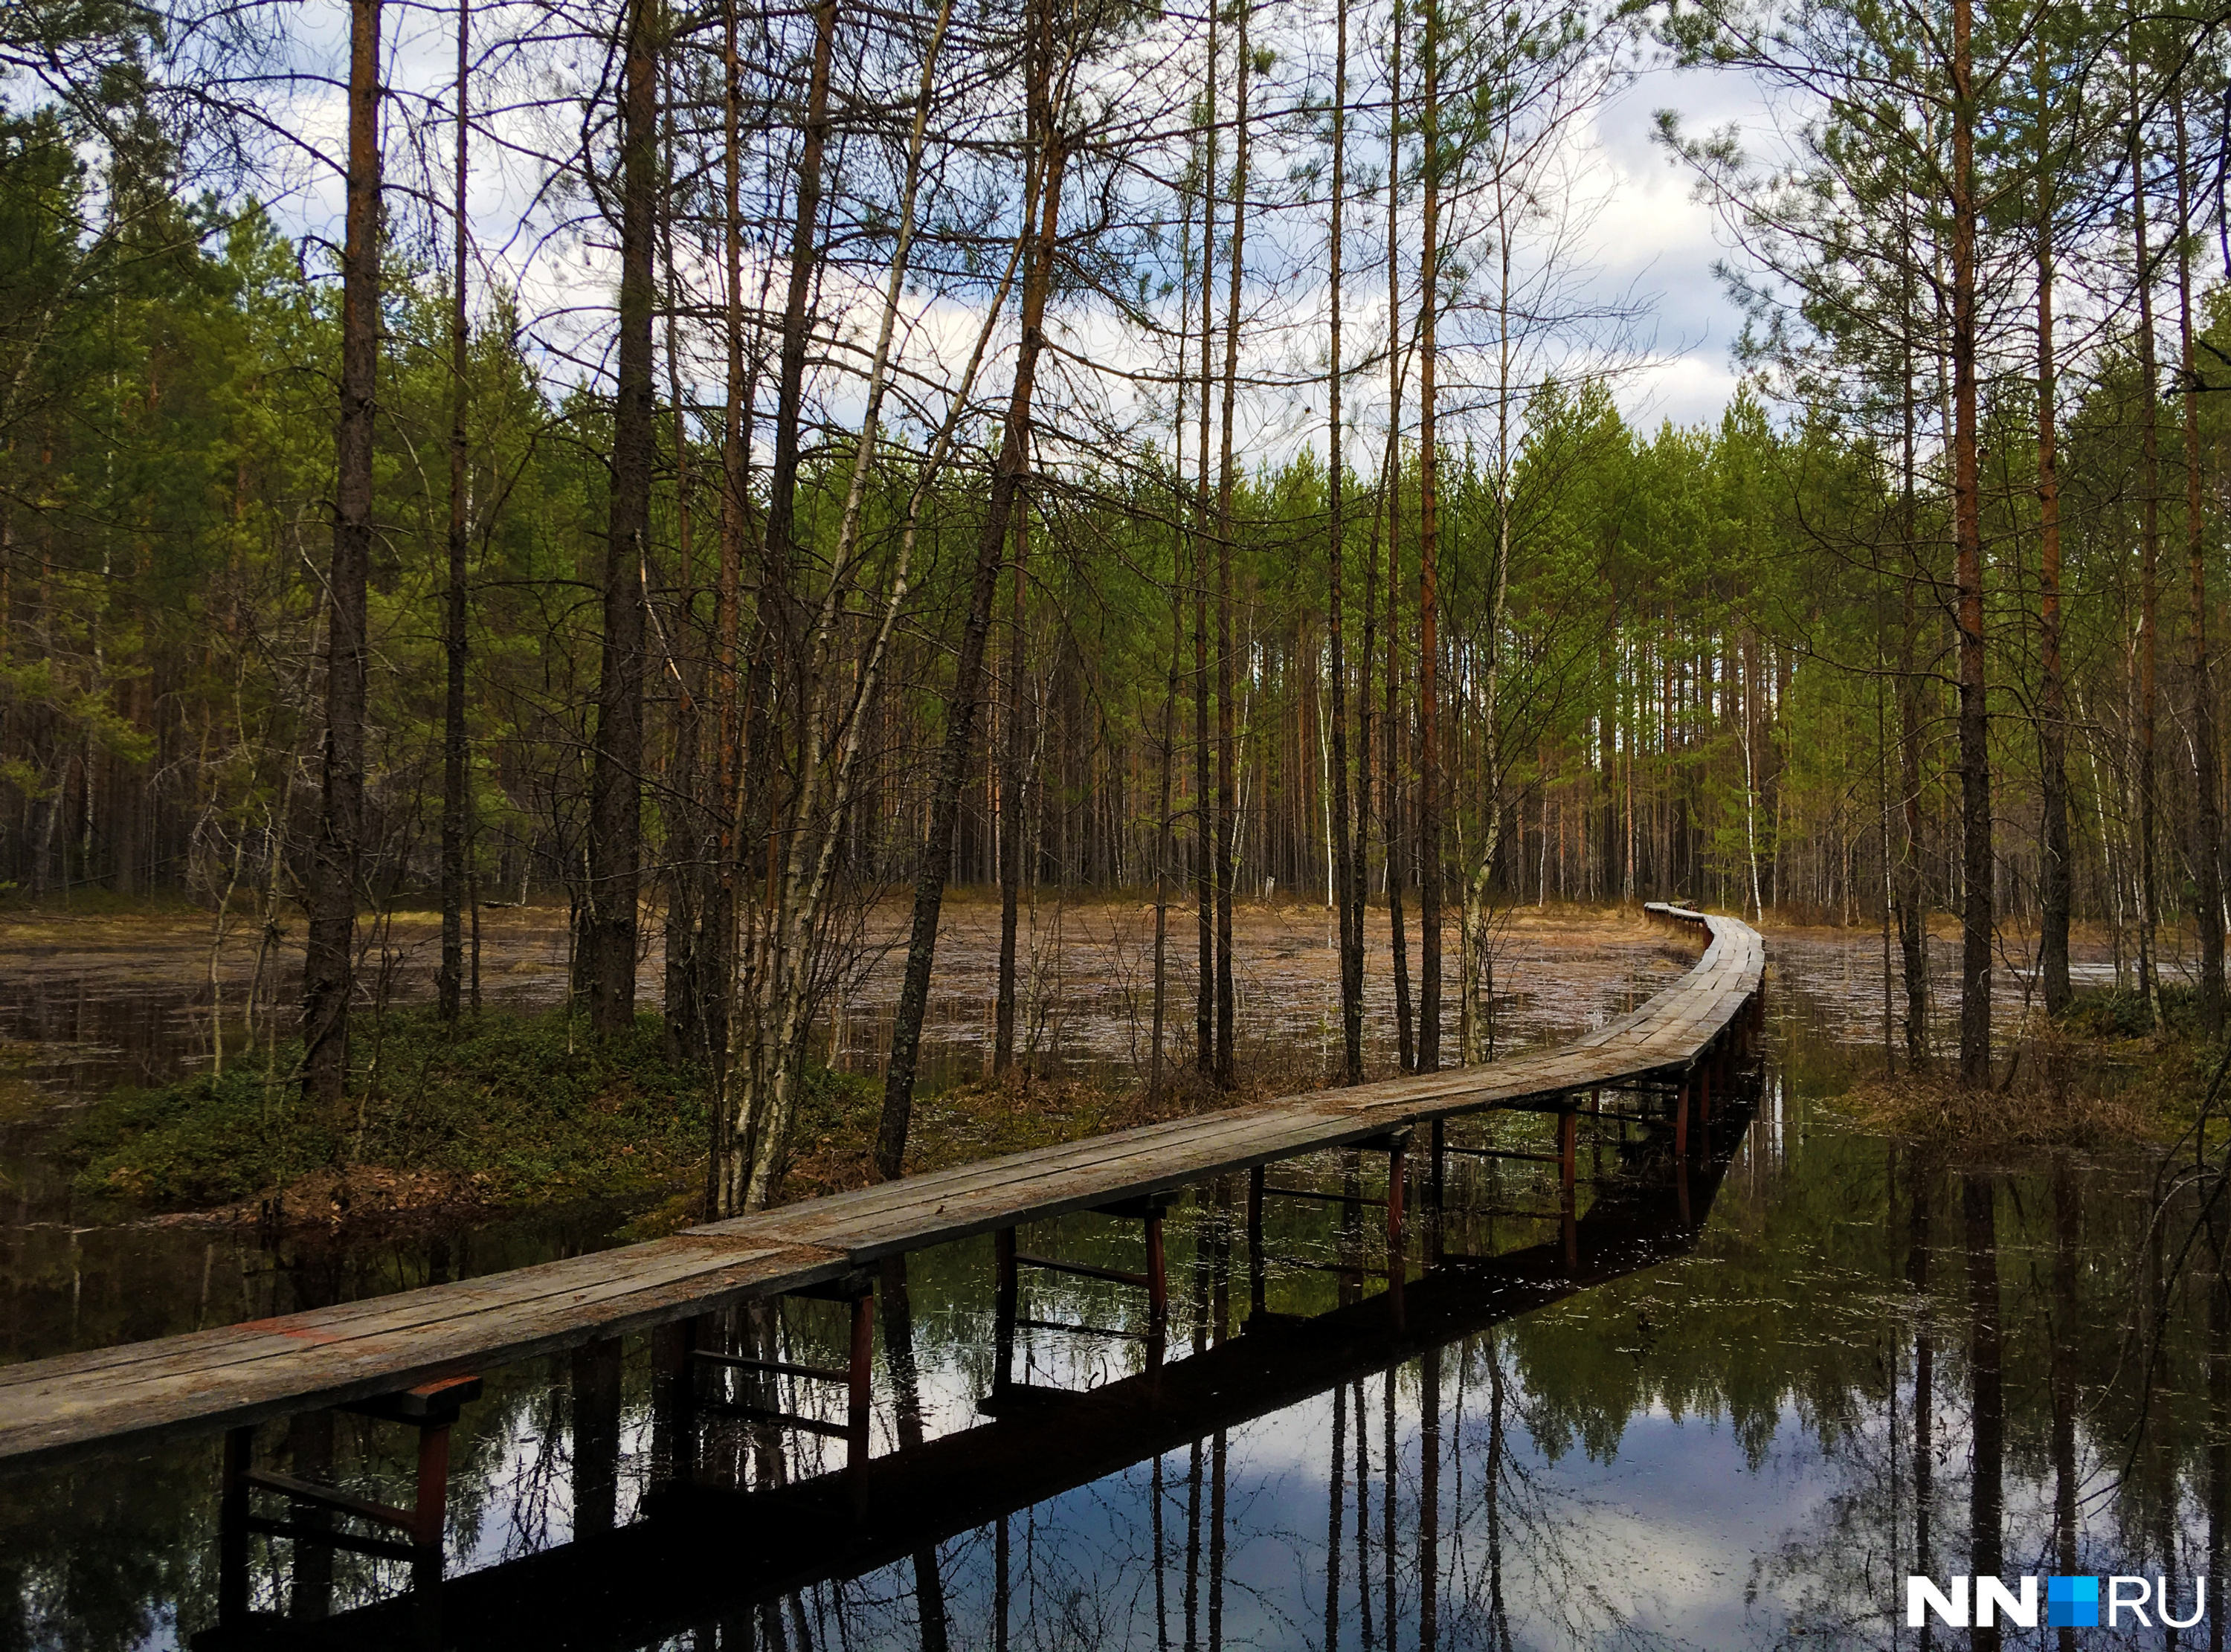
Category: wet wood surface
[137,1392]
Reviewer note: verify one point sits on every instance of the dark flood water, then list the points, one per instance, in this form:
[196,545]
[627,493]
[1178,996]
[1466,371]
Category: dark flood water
[1730,1409]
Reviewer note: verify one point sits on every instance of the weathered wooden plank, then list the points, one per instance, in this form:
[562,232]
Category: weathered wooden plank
[60,1410]
[239,1373]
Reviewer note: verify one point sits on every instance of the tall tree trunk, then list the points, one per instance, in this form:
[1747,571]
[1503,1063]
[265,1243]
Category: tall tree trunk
[1227,742]
[1976,920]
[1044,202]
[1912,909]
[717,941]
[1475,962]
[2056,879]
[778,646]
[685,819]
[1390,729]
[2207,848]
[2149,548]
[329,958]
[1429,524]
[1204,819]
[1012,813]
[1166,835]
[616,779]
[448,980]
[1346,874]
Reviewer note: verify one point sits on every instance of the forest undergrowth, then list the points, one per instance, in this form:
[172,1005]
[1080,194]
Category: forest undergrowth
[509,1110]
[499,1110]
[2106,1074]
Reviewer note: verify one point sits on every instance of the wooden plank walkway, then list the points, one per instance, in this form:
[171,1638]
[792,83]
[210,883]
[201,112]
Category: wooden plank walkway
[707,1554]
[135,1393]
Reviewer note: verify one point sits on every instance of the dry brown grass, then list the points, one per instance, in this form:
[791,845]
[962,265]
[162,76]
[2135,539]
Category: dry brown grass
[2065,1090]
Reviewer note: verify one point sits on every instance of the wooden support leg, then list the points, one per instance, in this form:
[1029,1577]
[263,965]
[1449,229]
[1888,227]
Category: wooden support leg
[232,1527]
[1704,1090]
[1158,1289]
[1257,1286]
[1398,1259]
[596,1436]
[1003,1309]
[430,1512]
[674,1397]
[859,1395]
[1681,1122]
[310,1456]
[1256,1283]
[1437,1189]
[1568,1134]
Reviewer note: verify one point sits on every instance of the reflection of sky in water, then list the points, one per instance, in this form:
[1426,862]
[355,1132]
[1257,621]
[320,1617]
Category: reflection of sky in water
[1756,1490]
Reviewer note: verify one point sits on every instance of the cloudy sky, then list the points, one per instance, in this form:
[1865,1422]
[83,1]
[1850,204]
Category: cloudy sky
[1654,236]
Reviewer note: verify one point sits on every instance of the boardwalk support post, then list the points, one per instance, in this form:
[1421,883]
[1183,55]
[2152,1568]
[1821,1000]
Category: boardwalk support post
[1004,1284]
[859,1395]
[1257,1285]
[232,1526]
[431,1409]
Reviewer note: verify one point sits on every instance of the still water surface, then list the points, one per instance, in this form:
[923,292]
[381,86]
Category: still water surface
[1849,1362]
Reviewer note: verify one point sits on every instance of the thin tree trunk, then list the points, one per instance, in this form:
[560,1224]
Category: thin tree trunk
[1912,912]
[1227,746]
[1012,812]
[2056,879]
[1346,874]
[616,778]
[817,830]
[1204,821]
[968,667]
[2149,550]
[685,825]
[1429,732]
[329,958]
[1166,843]
[449,978]
[1967,525]
[1405,1045]
[716,946]
[2207,851]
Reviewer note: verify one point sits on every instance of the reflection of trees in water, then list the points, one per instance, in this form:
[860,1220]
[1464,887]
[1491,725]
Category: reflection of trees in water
[2049,1402]
[2022,1369]
[1517,1530]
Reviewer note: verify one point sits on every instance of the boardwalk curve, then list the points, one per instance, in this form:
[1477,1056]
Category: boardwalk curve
[371,1352]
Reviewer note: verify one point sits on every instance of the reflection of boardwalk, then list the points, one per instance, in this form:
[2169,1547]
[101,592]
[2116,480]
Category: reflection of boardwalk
[705,1556]
[1682,1040]
[408,1358]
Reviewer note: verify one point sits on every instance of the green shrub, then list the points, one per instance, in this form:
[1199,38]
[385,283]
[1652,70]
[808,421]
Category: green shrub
[514,1108]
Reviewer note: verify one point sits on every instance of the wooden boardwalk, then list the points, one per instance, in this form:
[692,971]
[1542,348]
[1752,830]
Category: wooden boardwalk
[237,1375]
[706,1554]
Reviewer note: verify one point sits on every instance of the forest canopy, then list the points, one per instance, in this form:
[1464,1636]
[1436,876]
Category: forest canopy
[726,469]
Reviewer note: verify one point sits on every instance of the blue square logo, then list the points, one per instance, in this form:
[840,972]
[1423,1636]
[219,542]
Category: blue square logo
[2072,1602]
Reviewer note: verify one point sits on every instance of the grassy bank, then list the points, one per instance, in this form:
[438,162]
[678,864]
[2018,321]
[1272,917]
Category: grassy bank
[2103,1072]
[507,1110]
[498,1110]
